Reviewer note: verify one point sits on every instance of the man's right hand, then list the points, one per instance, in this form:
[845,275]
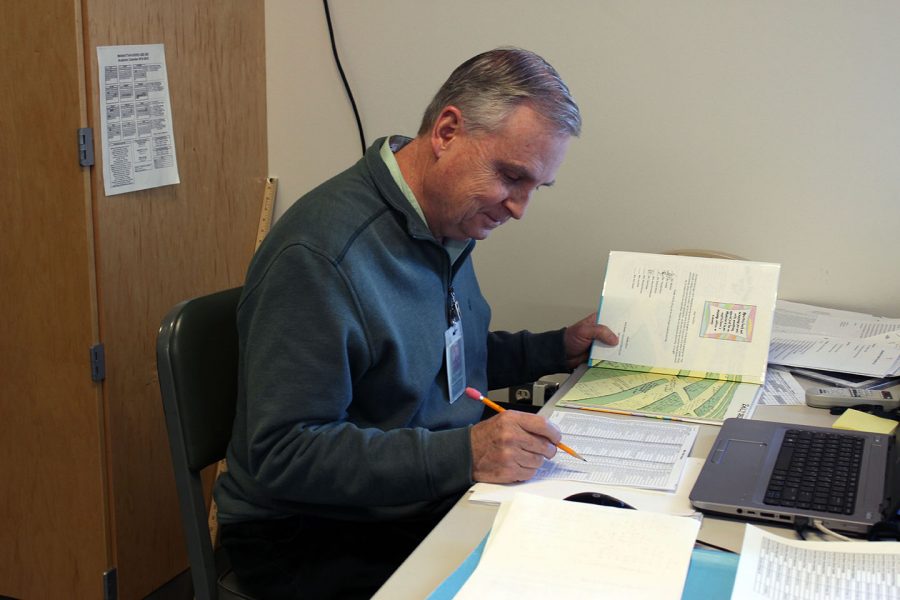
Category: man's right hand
[511,446]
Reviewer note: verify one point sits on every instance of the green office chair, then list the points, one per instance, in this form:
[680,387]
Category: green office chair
[197,362]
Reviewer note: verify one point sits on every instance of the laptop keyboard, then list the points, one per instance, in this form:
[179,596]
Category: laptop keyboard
[817,471]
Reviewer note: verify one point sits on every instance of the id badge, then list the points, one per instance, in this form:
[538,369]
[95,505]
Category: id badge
[456,361]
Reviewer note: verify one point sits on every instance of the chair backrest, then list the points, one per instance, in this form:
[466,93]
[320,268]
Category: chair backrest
[197,362]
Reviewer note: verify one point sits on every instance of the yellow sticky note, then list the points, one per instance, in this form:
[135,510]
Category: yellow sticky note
[857,420]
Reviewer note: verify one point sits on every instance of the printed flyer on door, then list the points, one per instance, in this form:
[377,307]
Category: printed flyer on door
[136,119]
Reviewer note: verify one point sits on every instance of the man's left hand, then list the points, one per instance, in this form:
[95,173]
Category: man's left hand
[578,339]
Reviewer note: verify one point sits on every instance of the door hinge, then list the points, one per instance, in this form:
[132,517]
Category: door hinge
[86,147]
[110,585]
[98,362]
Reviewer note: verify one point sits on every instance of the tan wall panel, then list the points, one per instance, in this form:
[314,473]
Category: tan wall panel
[159,246]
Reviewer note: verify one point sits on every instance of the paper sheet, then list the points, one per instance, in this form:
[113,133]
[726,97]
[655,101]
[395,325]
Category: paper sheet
[135,118]
[672,503]
[794,317]
[774,568]
[781,389]
[543,548]
[633,452]
[834,340]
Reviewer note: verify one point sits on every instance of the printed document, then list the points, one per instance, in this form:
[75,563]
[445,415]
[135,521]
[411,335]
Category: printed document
[834,340]
[773,568]
[670,503]
[781,388]
[546,548]
[135,119]
[627,452]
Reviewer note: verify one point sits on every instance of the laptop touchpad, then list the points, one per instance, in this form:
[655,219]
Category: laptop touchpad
[733,480]
[740,454]
[739,458]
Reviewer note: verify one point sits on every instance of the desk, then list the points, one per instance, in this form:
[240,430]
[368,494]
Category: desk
[466,524]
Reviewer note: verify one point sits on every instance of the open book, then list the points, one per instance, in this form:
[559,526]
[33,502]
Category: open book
[693,337]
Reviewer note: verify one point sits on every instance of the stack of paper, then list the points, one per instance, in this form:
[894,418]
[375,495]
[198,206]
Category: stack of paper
[835,340]
[544,548]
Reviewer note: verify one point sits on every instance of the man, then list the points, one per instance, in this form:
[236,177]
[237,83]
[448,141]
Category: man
[360,324]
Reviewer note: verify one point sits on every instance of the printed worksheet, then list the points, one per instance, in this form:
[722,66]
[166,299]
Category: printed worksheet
[628,452]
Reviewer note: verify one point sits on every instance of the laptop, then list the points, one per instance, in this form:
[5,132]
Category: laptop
[767,471]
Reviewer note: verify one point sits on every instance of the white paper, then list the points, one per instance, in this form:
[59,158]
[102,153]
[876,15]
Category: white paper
[813,337]
[683,313]
[794,317]
[135,119]
[781,388]
[544,548]
[876,356]
[774,568]
[671,503]
[627,452]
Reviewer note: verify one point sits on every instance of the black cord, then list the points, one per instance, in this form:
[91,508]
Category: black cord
[337,60]
[800,526]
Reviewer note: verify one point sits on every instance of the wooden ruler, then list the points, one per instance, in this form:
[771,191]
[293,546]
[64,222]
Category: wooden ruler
[265,222]
[265,213]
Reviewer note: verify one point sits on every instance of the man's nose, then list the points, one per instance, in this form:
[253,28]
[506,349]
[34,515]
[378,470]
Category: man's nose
[516,203]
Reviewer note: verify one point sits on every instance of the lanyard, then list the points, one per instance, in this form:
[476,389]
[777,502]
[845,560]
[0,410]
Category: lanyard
[452,308]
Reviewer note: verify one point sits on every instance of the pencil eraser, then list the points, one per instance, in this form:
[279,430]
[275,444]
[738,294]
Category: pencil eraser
[473,394]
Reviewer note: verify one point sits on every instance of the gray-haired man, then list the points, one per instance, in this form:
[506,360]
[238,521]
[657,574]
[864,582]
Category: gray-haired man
[362,322]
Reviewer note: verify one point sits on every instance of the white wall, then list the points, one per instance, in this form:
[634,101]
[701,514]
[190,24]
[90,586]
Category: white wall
[768,129]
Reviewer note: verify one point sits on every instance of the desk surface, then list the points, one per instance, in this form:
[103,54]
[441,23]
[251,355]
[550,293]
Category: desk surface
[466,524]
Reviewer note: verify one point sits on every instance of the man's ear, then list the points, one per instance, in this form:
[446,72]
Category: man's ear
[447,127]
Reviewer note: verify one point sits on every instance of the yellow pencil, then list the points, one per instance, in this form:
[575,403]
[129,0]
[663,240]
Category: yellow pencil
[476,395]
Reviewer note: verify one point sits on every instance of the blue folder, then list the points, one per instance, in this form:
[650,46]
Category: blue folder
[710,575]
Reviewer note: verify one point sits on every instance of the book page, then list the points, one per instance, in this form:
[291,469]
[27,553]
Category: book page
[692,399]
[547,548]
[699,317]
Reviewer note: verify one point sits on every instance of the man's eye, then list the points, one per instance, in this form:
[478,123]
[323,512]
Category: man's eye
[511,178]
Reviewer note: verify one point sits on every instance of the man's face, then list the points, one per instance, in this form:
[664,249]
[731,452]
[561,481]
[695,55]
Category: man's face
[480,180]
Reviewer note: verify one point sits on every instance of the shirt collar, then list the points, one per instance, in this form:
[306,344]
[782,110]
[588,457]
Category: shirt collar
[391,145]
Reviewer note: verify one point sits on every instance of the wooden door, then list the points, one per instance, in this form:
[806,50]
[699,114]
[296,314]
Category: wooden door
[53,537]
[159,246]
